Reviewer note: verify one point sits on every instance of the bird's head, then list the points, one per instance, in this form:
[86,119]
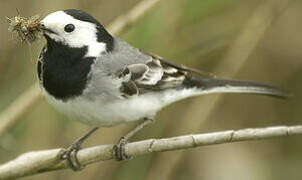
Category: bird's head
[77,29]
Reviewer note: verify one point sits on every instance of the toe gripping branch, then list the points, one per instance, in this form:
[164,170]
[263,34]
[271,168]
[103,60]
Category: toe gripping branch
[70,154]
[119,148]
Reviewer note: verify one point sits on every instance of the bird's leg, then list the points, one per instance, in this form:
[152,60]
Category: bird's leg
[70,154]
[119,148]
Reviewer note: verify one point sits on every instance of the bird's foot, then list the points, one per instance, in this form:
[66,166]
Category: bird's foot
[70,155]
[119,150]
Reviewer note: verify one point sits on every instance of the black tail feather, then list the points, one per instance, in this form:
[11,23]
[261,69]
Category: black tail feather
[209,85]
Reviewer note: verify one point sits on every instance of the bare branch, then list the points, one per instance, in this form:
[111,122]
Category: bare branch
[42,161]
[26,100]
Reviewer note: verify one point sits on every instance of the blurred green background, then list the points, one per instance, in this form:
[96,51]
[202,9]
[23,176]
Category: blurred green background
[204,34]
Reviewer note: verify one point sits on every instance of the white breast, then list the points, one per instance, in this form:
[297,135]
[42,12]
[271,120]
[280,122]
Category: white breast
[98,113]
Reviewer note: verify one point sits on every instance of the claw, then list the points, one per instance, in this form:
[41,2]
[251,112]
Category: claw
[119,150]
[70,155]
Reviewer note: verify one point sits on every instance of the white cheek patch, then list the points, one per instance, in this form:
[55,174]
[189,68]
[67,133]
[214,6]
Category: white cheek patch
[55,37]
[85,33]
[96,49]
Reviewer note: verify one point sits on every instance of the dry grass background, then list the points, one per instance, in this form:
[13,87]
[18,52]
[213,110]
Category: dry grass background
[200,34]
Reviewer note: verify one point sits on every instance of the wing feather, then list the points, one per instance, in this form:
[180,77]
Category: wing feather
[153,75]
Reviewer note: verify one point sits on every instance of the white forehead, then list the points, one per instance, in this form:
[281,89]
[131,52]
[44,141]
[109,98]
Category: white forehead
[60,18]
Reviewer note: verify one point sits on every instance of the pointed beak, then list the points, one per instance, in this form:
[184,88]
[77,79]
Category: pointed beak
[46,29]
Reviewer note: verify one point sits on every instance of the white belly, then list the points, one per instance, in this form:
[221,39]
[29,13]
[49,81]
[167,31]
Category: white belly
[97,113]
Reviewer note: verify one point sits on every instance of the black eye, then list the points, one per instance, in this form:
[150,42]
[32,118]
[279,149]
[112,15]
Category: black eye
[69,28]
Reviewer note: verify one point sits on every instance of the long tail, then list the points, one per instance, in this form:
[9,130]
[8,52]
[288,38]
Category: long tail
[209,86]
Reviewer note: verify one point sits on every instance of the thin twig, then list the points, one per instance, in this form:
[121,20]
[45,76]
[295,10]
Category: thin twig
[49,160]
[27,99]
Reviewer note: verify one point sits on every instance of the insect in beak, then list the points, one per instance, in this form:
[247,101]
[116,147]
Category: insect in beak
[27,29]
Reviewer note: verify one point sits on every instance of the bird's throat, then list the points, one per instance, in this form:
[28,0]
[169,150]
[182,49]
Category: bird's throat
[65,70]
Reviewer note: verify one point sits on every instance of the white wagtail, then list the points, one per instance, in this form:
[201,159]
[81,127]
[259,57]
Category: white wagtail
[100,80]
